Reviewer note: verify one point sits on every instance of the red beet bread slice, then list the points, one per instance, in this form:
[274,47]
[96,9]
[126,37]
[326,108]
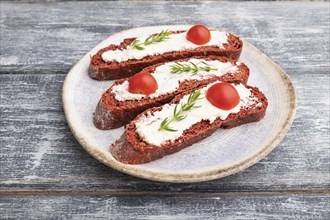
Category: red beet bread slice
[130,148]
[101,70]
[111,113]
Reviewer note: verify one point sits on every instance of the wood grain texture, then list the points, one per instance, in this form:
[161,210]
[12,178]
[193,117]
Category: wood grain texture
[51,37]
[154,207]
[44,171]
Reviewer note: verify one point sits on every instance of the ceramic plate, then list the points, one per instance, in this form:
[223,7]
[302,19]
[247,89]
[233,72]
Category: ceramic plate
[224,153]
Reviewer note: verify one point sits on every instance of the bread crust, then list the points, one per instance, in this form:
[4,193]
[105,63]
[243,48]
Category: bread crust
[131,149]
[111,113]
[101,70]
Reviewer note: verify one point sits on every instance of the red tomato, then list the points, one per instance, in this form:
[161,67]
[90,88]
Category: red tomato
[142,83]
[199,34]
[223,96]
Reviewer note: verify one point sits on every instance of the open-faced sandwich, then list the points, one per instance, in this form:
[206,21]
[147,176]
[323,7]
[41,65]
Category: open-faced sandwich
[134,54]
[189,118]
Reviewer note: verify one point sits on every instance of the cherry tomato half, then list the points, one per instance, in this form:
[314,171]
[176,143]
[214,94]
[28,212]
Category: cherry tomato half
[223,96]
[142,83]
[199,34]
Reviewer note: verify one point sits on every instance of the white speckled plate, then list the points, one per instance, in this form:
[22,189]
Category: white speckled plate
[224,153]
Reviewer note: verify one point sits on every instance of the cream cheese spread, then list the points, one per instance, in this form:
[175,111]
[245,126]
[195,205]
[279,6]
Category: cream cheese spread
[147,126]
[174,42]
[169,82]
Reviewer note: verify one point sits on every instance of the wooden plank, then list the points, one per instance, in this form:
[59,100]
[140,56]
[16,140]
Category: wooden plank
[154,207]
[44,173]
[39,153]
[50,37]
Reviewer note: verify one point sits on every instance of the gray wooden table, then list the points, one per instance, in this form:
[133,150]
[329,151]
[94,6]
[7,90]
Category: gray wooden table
[45,173]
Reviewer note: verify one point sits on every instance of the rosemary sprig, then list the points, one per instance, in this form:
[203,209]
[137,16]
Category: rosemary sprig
[179,68]
[179,115]
[137,44]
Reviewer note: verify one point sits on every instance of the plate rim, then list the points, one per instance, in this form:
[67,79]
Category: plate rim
[188,177]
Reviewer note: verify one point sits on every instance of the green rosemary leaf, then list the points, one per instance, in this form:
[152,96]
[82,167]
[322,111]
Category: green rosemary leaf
[151,39]
[190,97]
[175,109]
[181,114]
[136,45]
[139,47]
[164,122]
[181,117]
[170,129]
[165,126]
[194,65]
[178,68]
[146,42]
